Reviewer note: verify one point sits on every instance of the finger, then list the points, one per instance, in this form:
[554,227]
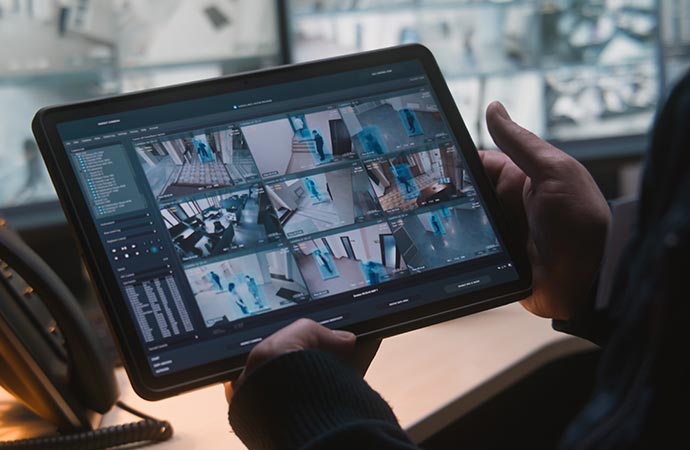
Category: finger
[509,181]
[532,154]
[307,334]
[494,162]
[300,335]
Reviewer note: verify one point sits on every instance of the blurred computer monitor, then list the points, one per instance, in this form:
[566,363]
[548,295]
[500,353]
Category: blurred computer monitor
[55,52]
[585,74]
[74,50]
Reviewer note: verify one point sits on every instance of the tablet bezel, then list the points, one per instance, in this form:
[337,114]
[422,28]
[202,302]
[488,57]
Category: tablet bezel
[122,325]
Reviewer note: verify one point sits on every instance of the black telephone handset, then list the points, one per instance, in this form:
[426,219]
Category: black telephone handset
[51,358]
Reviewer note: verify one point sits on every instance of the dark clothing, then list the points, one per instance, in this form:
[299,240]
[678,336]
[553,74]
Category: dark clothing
[309,400]
[318,140]
[644,371]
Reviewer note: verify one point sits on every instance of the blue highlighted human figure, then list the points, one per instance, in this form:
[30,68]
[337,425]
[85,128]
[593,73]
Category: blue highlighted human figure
[215,280]
[325,264]
[436,225]
[410,122]
[203,149]
[318,142]
[236,298]
[406,183]
[312,188]
[299,125]
[320,150]
[253,288]
[372,141]
[373,272]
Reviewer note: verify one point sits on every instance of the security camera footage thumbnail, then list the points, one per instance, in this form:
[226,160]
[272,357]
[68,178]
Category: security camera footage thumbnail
[444,236]
[196,161]
[349,260]
[324,201]
[299,142]
[394,124]
[210,225]
[411,180]
[245,286]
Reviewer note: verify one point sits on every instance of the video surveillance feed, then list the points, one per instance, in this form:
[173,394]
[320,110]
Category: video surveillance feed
[278,210]
[196,161]
[442,236]
[245,286]
[324,201]
[393,124]
[348,260]
[213,224]
[414,179]
[297,142]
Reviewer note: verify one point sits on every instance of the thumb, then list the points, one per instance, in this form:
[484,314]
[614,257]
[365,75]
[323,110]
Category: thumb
[529,152]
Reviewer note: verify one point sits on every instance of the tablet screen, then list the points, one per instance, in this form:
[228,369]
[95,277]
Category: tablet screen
[341,198]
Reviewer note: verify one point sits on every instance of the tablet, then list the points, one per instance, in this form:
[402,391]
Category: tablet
[211,214]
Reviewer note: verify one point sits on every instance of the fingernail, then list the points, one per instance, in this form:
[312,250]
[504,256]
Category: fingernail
[342,334]
[501,111]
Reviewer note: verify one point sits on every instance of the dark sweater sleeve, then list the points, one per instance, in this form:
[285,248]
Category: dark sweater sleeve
[594,320]
[309,400]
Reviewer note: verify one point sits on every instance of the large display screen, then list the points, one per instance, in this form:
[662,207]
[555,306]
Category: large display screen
[341,198]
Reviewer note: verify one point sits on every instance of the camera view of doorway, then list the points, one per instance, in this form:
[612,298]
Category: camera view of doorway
[349,260]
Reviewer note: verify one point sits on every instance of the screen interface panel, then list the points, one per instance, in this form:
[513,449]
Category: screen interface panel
[341,198]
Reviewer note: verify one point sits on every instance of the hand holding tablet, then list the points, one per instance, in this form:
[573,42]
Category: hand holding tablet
[212,214]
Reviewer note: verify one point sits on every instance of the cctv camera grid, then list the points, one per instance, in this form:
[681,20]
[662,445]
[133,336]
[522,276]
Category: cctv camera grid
[321,200]
[297,141]
[221,222]
[436,236]
[363,271]
[196,160]
[250,284]
[412,179]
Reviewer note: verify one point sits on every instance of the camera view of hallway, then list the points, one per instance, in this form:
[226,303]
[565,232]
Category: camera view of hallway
[324,201]
[196,161]
[299,142]
[215,224]
[394,124]
[245,286]
[349,260]
[445,236]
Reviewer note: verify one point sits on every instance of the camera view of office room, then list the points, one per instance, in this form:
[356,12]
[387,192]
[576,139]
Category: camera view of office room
[324,201]
[393,124]
[444,236]
[245,286]
[349,260]
[217,223]
[412,180]
[298,142]
[197,161]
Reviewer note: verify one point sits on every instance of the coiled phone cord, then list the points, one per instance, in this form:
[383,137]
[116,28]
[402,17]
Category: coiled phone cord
[147,430]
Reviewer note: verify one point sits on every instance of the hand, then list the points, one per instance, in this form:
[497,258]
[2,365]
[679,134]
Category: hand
[558,208]
[306,334]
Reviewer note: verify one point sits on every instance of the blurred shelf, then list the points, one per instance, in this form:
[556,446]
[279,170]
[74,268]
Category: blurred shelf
[254,59]
[414,6]
[57,77]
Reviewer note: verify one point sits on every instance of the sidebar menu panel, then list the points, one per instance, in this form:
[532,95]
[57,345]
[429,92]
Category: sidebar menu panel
[106,176]
[139,255]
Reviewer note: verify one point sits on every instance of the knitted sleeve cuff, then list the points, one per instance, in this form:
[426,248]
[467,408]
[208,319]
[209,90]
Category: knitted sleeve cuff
[299,396]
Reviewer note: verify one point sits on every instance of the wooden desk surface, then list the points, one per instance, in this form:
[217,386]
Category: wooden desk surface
[428,376]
